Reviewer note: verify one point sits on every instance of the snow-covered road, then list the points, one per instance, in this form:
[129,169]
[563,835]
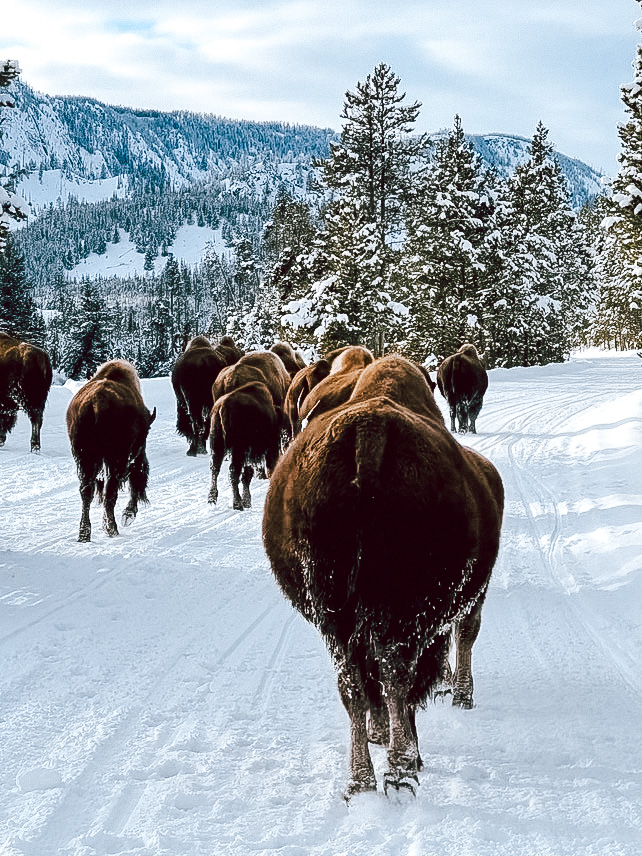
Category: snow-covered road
[158,697]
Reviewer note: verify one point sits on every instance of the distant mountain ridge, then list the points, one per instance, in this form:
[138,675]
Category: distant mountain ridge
[91,142]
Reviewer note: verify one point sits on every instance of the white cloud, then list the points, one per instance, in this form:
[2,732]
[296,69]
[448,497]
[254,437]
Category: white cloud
[502,65]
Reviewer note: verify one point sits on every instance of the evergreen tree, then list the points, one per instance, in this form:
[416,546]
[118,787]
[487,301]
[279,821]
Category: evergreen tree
[18,313]
[444,255]
[369,173]
[86,338]
[619,255]
[544,279]
[12,206]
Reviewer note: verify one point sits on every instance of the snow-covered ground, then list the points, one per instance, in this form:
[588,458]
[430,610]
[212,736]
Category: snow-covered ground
[158,697]
[123,260]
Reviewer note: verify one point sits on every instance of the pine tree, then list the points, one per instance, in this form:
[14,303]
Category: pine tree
[369,174]
[545,279]
[18,313]
[86,339]
[444,252]
[619,256]
[12,206]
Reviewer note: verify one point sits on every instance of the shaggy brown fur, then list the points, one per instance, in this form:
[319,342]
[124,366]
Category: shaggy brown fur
[350,358]
[25,379]
[292,360]
[462,381]
[194,372]
[302,383]
[382,531]
[246,423]
[229,350]
[108,425]
[329,393]
[275,375]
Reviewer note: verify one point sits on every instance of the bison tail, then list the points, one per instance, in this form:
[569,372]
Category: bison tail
[370,445]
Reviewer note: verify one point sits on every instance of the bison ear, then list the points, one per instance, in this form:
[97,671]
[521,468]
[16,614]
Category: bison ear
[152,416]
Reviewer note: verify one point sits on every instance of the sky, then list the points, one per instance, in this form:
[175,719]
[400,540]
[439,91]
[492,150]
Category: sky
[502,65]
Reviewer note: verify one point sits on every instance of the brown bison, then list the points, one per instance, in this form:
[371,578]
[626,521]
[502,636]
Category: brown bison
[108,425]
[302,384]
[264,366]
[462,381]
[292,360]
[346,365]
[246,423]
[329,393]
[349,358]
[193,374]
[25,379]
[382,531]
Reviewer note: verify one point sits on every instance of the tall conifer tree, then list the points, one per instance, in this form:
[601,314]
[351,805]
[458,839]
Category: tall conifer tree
[444,251]
[619,260]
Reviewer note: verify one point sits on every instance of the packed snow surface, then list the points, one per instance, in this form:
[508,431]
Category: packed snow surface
[159,697]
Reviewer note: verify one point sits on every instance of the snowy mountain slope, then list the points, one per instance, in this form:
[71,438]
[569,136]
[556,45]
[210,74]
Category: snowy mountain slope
[158,697]
[79,147]
[504,152]
[92,140]
[123,260]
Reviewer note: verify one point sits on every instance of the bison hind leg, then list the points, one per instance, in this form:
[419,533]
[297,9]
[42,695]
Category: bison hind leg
[362,775]
[236,467]
[462,416]
[8,418]
[217,446]
[138,477]
[246,478]
[109,502]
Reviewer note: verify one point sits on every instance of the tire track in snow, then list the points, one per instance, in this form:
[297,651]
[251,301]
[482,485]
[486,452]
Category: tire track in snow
[82,806]
[550,559]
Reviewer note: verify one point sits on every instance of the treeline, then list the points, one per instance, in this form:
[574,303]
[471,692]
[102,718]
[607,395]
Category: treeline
[420,248]
[399,243]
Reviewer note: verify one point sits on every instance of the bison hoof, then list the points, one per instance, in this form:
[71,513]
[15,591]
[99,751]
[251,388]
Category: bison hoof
[237,505]
[442,690]
[212,497]
[463,698]
[191,453]
[359,787]
[127,518]
[247,502]
[84,537]
[35,450]
[397,784]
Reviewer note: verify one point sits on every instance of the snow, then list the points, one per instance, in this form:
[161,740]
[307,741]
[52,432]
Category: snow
[123,260]
[53,186]
[158,696]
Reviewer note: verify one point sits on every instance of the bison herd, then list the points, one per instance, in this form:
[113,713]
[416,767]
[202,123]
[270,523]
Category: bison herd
[380,528]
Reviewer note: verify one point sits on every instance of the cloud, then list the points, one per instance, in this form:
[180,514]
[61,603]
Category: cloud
[502,65]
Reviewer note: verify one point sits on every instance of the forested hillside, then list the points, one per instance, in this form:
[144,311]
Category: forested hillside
[463,237]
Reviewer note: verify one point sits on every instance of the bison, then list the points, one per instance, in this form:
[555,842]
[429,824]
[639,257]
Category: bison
[462,381]
[264,366]
[193,374]
[246,423]
[303,382]
[382,530]
[292,360]
[25,379]
[346,365]
[108,425]
[349,358]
